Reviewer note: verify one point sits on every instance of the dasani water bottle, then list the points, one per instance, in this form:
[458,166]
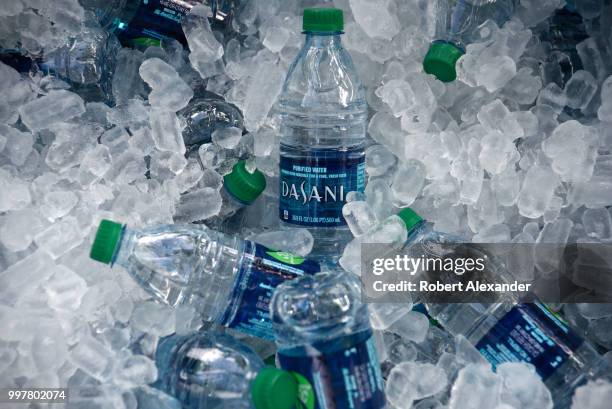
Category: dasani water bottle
[323,127]
[227,280]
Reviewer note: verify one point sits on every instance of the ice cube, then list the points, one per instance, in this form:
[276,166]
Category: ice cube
[573,148]
[379,195]
[605,110]
[537,191]
[476,387]
[60,237]
[496,73]
[412,326]
[550,244]
[300,241]
[18,145]
[56,106]
[399,350]
[198,205]
[57,204]
[25,273]
[408,181]
[359,217]
[169,91]
[92,357]
[383,315]
[135,370]
[398,95]
[524,87]
[264,88]
[379,160]
[204,47]
[276,38]
[375,18]
[65,289]
[409,381]
[18,229]
[597,223]
[523,387]
[166,131]
[153,318]
[227,137]
[580,89]
[593,395]
[553,96]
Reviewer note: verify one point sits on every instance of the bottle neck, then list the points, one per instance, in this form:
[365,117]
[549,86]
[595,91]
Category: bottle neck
[124,247]
[323,40]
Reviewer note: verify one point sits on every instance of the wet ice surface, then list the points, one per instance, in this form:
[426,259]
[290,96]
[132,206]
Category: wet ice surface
[517,149]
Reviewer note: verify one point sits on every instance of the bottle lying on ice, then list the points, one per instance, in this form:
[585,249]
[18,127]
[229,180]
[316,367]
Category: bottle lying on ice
[136,21]
[511,331]
[455,24]
[228,280]
[211,370]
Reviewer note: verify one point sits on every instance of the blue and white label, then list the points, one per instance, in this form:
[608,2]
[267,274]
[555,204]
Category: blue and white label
[344,372]
[157,19]
[530,333]
[262,270]
[313,188]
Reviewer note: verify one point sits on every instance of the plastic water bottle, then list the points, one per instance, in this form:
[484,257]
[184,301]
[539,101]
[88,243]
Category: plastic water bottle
[228,280]
[212,370]
[205,113]
[87,63]
[241,188]
[513,331]
[455,23]
[323,333]
[136,21]
[323,128]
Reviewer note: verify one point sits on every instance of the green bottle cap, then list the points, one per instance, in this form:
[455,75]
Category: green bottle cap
[441,59]
[410,217]
[274,388]
[244,185]
[323,20]
[105,243]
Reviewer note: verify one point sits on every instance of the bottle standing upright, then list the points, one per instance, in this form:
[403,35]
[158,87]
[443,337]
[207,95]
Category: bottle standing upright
[323,128]
[227,280]
[455,23]
[213,370]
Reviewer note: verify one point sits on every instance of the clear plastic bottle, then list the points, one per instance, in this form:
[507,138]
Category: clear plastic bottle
[228,280]
[135,21]
[510,331]
[455,24]
[323,128]
[87,63]
[212,370]
[205,113]
[240,189]
[323,333]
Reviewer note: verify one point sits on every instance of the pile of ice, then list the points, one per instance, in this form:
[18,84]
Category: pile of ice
[517,150]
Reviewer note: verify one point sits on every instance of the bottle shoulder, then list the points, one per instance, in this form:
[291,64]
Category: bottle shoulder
[321,78]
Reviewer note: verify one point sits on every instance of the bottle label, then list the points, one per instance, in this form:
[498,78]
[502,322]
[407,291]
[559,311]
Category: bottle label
[530,333]
[262,270]
[156,19]
[345,377]
[313,189]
